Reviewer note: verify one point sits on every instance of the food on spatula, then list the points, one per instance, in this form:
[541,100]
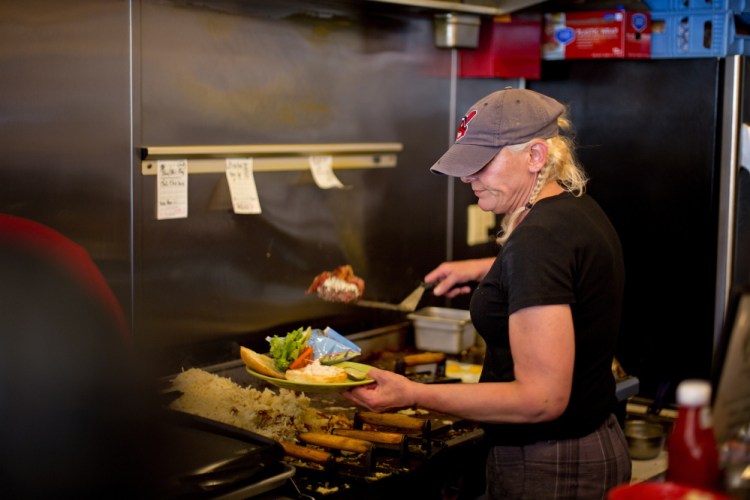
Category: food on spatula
[339,285]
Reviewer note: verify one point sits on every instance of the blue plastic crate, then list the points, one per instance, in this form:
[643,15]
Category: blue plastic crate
[696,5]
[694,34]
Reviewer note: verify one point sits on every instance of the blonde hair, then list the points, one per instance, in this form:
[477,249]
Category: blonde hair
[562,166]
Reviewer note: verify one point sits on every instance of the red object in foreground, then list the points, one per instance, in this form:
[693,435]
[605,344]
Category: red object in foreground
[693,454]
[54,247]
[662,491]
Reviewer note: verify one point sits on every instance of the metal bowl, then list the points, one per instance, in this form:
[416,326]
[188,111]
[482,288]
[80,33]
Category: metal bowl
[645,439]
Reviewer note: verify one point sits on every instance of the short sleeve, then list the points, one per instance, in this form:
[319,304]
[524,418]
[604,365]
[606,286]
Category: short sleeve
[537,269]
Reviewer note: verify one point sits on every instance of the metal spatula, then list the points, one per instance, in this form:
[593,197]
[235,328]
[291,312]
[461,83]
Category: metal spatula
[410,303]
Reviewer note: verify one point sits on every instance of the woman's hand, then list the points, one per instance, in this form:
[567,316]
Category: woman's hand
[389,391]
[452,276]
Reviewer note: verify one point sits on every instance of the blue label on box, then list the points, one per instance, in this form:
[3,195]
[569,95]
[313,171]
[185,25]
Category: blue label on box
[639,22]
[565,35]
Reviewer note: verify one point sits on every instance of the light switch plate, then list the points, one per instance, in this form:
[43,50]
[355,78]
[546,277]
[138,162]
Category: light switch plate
[480,227]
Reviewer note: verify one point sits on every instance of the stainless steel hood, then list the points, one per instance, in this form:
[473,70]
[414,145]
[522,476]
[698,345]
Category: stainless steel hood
[504,6]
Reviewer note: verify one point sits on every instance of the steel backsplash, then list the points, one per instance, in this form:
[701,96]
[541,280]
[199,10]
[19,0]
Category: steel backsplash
[295,73]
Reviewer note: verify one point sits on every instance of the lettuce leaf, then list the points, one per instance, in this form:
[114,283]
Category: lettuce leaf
[286,349]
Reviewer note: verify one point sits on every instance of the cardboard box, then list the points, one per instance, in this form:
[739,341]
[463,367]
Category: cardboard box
[602,34]
[509,47]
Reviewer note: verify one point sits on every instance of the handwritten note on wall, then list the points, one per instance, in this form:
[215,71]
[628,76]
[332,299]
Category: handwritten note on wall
[242,187]
[321,168]
[172,189]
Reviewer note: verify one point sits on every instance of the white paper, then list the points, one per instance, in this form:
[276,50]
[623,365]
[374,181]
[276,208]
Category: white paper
[322,172]
[171,189]
[745,146]
[242,186]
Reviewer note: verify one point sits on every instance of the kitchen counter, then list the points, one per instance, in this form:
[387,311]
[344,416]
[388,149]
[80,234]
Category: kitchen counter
[650,470]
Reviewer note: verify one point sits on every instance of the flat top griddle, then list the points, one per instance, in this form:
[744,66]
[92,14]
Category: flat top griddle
[202,458]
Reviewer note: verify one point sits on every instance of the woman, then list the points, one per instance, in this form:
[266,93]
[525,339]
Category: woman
[548,307]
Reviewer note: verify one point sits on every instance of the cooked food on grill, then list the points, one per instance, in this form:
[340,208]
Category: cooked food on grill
[305,452]
[339,285]
[317,373]
[279,416]
[327,440]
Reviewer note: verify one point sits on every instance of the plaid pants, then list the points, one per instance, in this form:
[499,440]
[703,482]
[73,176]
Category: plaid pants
[583,468]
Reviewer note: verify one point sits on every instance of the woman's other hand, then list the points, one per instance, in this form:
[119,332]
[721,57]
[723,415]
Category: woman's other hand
[453,277]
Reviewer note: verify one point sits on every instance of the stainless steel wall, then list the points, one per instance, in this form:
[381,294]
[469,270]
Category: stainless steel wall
[245,73]
[227,72]
[65,125]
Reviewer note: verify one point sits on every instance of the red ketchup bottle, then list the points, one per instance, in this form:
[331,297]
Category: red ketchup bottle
[693,454]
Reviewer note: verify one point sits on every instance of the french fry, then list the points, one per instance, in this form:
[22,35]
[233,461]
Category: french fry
[305,453]
[338,442]
[372,436]
[393,420]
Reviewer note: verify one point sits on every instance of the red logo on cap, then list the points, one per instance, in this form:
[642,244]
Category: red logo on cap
[464,125]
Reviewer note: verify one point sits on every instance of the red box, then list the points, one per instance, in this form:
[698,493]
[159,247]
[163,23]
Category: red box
[509,47]
[619,34]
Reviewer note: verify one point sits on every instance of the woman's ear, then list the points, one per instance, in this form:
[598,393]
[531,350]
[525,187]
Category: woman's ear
[537,156]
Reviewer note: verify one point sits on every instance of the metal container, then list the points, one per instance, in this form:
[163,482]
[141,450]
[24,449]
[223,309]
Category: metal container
[645,439]
[456,31]
[443,329]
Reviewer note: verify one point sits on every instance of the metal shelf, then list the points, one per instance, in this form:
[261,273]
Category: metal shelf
[508,6]
[272,157]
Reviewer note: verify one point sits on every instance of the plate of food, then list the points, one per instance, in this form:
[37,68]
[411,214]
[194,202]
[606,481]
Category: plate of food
[313,386]
[308,360]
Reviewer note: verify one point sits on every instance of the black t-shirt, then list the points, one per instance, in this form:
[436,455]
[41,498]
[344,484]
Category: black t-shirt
[564,252]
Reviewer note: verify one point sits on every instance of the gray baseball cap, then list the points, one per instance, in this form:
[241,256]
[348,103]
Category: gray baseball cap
[505,117]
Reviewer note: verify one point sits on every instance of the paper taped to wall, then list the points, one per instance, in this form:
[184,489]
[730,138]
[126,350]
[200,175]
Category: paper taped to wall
[322,172]
[239,172]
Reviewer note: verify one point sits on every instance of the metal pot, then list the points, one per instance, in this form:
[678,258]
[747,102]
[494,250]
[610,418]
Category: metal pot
[645,439]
